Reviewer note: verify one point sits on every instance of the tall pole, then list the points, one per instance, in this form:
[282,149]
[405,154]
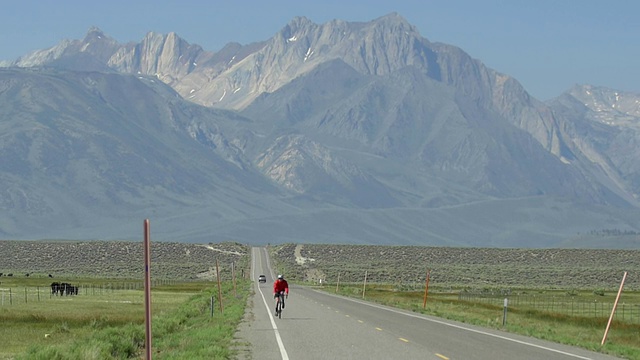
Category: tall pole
[147,288]
[613,311]
[219,287]
[233,275]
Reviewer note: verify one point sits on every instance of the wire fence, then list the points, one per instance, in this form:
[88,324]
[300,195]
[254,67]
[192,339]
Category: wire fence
[566,305]
[29,294]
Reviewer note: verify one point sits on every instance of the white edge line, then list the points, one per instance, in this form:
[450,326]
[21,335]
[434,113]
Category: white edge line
[456,326]
[283,351]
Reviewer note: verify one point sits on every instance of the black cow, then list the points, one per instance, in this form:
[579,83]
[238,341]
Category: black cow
[50,275]
[65,289]
[55,287]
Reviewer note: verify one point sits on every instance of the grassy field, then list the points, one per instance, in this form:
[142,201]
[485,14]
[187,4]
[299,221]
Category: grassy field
[106,319]
[111,325]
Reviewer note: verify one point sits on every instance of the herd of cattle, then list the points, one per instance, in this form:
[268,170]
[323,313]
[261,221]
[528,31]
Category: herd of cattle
[57,288]
[63,289]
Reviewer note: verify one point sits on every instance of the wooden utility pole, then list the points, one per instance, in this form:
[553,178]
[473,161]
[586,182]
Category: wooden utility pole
[219,287]
[233,275]
[147,288]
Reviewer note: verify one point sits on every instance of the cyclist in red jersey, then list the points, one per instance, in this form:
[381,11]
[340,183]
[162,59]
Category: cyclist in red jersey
[280,286]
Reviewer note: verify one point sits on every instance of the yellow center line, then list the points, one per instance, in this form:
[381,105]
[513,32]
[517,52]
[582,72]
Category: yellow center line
[347,316]
[378,329]
[403,339]
[442,356]
[360,321]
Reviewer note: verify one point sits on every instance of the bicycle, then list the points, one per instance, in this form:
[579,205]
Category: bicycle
[279,302]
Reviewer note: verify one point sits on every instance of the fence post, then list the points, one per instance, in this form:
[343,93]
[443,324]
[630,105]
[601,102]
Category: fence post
[504,312]
[364,286]
[613,310]
[426,290]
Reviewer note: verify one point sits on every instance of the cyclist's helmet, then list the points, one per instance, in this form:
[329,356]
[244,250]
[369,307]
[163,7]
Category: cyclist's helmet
[280,277]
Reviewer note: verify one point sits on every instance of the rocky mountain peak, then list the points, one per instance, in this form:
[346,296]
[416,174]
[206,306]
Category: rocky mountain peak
[297,23]
[166,56]
[395,22]
[378,47]
[94,33]
[90,53]
[607,102]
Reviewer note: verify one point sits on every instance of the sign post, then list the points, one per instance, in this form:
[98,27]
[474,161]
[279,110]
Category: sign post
[504,312]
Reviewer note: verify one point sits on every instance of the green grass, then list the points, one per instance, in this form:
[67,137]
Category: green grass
[111,325]
[191,332]
[586,332]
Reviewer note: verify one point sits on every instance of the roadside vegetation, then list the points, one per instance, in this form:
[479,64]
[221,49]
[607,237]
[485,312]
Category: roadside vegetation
[106,319]
[184,326]
[547,288]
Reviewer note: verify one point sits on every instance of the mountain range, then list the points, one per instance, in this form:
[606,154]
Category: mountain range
[343,132]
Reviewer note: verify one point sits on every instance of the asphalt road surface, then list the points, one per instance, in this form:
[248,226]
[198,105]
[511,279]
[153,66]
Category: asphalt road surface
[320,325]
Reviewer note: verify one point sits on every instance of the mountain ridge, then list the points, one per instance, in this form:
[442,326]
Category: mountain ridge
[351,132]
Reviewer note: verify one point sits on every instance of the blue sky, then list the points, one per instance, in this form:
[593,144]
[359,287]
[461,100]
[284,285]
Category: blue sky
[547,45]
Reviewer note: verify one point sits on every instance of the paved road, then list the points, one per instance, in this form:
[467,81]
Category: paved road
[320,325]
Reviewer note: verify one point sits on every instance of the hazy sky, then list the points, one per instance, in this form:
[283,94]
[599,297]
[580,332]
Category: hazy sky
[547,45]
